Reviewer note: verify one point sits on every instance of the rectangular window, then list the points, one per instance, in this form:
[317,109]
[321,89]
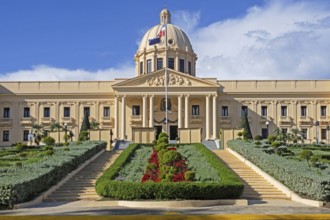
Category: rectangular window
[284,111]
[323,134]
[26,113]
[141,68]
[136,110]
[106,111]
[181,67]
[264,111]
[5,136]
[195,110]
[6,112]
[46,112]
[323,110]
[303,111]
[189,67]
[159,63]
[87,111]
[171,63]
[284,130]
[66,112]
[224,111]
[149,66]
[244,110]
[26,135]
[304,133]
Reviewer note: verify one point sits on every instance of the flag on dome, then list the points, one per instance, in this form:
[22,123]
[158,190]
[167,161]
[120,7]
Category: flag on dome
[161,33]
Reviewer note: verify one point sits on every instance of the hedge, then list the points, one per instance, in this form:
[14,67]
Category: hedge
[296,175]
[229,185]
[20,184]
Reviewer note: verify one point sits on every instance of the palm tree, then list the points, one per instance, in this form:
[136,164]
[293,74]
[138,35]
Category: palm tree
[296,135]
[55,126]
[38,133]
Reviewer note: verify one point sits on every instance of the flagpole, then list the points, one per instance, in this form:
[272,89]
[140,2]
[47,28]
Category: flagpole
[166,103]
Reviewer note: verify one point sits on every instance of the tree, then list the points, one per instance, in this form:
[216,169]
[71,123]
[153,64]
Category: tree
[296,135]
[306,155]
[280,135]
[94,124]
[247,134]
[38,133]
[85,124]
[55,126]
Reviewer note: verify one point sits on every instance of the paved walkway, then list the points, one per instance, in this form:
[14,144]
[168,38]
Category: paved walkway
[255,186]
[82,185]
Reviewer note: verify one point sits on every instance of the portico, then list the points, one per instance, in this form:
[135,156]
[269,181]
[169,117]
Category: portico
[192,104]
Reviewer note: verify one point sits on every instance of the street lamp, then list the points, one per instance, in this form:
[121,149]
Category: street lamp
[317,123]
[267,124]
[65,132]
[328,129]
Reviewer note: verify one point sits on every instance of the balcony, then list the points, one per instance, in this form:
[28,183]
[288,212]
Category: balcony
[136,119]
[305,120]
[67,120]
[225,120]
[196,119]
[264,119]
[46,120]
[26,121]
[107,121]
[325,120]
[5,122]
[285,120]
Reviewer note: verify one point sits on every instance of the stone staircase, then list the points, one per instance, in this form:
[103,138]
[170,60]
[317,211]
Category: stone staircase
[210,144]
[255,186]
[82,185]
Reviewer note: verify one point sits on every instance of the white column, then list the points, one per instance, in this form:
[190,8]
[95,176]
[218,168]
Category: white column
[214,118]
[123,117]
[144,106]
[179,111]
[116,135]
[151,113]
[186,111]
[207,119]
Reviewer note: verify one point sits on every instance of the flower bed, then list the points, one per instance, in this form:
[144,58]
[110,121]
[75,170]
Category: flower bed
[227,186]
[294,174]
[19,184]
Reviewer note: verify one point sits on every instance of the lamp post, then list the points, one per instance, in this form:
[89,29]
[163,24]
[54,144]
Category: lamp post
[317,123]
[65,132]
[328,129]
[267,124]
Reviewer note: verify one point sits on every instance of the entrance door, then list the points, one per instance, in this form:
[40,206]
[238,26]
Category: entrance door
[158,130]
[173,132]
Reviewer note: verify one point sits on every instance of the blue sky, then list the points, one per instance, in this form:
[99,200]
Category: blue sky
[97,39]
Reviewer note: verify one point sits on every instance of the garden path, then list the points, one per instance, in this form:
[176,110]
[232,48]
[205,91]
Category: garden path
[82,185]
[255,186]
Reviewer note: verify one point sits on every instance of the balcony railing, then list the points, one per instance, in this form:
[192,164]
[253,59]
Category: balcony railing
[305,120]
[107,121]
[26,121]
[67,120]
[195,119]
[285,120]
[46,120]
[136,119]
[325,120]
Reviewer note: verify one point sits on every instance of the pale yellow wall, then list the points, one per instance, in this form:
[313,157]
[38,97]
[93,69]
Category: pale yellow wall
[96,95]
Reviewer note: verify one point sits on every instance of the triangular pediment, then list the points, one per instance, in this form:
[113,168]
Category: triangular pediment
[157,79]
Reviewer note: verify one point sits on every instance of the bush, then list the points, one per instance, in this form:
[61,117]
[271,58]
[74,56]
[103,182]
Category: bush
[83,136]
[49,141]
[18,186]
[107,185]
[46,148]
[294,174]
[189,176]
[271,138]
[257,138]
[20,146]
[171,157]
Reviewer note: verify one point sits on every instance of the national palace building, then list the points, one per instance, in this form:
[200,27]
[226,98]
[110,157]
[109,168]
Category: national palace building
[198,108]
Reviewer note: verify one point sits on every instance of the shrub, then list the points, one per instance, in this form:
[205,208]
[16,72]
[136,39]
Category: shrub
[66,144]
[49,141]
[162,134]
[66,149]
[49,152]
[46,148]
[257,138]
[306,155]
[20,146]
[108,186]
[18,186]
[171,157]
[161,146]
[83,136]
[293,174]
[271,138]
[189,175]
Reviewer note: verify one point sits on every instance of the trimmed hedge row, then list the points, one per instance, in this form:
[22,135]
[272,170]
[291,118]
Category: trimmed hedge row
[21,184]
[228,187]
[294,174]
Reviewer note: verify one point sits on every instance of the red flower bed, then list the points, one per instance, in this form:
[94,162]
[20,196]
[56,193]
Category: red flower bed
[152,171]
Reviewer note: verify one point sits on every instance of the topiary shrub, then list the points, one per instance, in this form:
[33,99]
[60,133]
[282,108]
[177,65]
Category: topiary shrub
[49,141]
[171,157]
[189,175]
[83,136]
[49,152]
[46,148]
[20,146]
[271,138]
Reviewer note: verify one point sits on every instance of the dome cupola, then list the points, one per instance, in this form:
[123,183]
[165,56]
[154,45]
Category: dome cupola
[180,54]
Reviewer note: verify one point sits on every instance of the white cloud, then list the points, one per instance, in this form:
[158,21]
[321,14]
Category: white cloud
[187,21]
[47,73]
[281,40]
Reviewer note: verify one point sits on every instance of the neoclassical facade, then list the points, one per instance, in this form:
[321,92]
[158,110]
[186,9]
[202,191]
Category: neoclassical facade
[208,104]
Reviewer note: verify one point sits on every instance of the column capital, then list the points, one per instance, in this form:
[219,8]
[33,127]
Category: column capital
[187,95]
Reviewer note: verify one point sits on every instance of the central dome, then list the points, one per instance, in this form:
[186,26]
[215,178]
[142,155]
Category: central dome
[181,56]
